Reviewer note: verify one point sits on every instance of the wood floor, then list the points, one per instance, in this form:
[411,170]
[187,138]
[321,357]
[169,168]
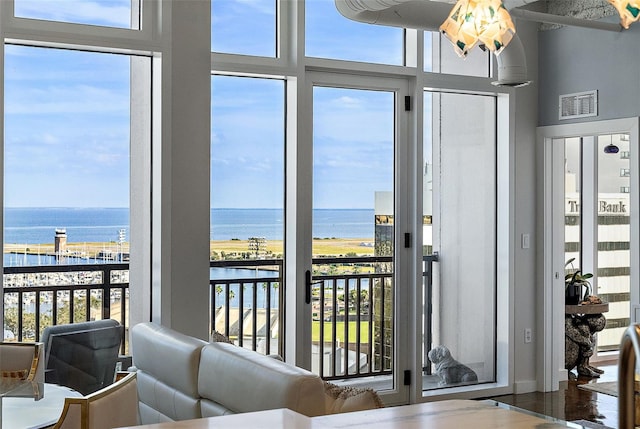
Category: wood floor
[571,403]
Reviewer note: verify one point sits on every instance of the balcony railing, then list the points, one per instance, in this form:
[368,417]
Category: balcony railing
[247,303]
[39,296]
[352,302]
[352,305]
[352,311]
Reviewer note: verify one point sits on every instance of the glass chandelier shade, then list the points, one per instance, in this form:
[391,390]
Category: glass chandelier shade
[629,11]
[483,22]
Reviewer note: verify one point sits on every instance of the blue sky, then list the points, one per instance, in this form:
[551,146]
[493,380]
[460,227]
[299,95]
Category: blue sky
[67,113]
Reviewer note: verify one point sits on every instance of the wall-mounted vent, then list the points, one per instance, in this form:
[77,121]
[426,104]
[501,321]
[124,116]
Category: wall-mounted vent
[579,105]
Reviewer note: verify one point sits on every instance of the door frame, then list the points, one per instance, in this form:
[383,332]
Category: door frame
[299,226]
[550,355]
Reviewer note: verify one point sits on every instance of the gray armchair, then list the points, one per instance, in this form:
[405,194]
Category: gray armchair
[82,356]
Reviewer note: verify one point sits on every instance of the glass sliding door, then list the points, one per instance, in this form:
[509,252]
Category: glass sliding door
[613,272]
[597,223]
[355,216]
[460,224]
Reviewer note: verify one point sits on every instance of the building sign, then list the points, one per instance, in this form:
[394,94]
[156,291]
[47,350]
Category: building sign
[607,206]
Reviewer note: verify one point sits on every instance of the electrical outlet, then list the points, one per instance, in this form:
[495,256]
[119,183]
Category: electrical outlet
[527,335]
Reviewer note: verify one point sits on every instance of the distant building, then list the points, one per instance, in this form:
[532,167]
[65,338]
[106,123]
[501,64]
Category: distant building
[60,241]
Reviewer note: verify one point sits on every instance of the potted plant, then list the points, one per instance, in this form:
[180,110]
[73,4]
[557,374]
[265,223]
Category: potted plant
[575,281]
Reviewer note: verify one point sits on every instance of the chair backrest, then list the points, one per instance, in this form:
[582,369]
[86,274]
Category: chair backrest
[72,327]
[22,369]
[114,406]
[22,360]
[84,360]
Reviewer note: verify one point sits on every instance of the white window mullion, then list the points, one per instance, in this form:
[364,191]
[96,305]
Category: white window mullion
[589,212]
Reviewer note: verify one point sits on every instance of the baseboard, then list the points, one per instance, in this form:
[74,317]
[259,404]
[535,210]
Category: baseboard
[563,375]
[526,386]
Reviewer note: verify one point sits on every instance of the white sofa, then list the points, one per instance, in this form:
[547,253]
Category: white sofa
[181,377]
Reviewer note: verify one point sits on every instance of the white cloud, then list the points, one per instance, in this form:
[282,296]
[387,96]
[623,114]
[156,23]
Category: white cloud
[49,139]
[347,102]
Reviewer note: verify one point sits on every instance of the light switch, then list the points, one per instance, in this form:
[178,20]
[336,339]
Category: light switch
[525,241]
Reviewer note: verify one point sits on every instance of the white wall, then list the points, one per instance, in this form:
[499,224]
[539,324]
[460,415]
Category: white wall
[574,59]
[526,283]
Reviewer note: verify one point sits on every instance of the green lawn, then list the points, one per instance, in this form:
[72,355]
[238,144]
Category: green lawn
[364,331]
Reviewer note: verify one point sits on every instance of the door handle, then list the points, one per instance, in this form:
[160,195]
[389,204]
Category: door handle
[307,292]
[308,284]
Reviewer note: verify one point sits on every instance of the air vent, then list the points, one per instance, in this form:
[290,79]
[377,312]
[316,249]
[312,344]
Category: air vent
[579,105]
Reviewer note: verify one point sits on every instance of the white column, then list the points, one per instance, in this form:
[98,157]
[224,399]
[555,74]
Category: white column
[181,170]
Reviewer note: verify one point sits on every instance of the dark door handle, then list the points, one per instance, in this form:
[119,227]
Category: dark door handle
[307,292]
[308,284]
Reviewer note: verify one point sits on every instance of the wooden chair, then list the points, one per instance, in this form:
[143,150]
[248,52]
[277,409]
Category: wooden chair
[114,406]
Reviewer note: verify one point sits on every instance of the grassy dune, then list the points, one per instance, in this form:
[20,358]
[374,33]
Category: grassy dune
[321,246]
[325,247]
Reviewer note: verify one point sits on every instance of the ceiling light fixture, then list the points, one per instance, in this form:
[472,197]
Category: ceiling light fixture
[629,11]
[611,148]
[483,22]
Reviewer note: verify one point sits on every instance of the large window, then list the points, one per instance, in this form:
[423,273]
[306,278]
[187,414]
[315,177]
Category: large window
[247,207]
[66,176]
[460,223]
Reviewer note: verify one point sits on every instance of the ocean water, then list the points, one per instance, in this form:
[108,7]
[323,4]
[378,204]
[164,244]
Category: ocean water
[38,225]
[227,224]
[33,226]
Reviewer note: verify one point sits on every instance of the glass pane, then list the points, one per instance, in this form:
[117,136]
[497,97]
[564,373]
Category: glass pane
[66,173]
[573,203]
[440,57]
[614,257]
[353,218]
[331,35]
[107,13]
[462,323]
[247,208]
[244,27]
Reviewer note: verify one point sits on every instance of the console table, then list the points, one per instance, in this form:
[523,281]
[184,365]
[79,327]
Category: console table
[450,414]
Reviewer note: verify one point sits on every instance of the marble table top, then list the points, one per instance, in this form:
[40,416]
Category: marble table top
[451,414]
[29,412]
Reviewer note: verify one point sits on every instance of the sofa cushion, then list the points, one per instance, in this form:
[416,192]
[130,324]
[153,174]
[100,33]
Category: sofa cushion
[344,399]
[265,384]
[158,402]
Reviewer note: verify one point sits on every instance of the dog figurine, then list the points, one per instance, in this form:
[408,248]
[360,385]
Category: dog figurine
[450,370]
